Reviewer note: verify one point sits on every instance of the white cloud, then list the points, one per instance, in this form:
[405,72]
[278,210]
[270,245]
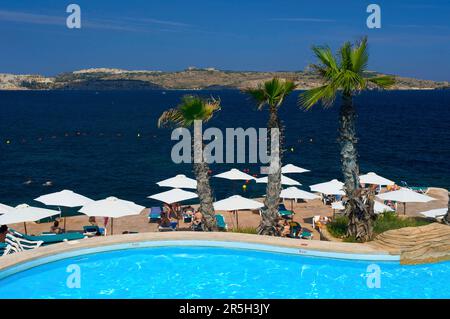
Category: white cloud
[102,24]
[303,20]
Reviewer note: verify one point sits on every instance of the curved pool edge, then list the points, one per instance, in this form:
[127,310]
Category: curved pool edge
[18,262]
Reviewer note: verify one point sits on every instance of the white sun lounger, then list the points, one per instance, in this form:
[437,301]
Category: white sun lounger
[15,244]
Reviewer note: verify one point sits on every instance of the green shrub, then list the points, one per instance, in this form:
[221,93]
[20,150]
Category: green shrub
[384,222]
[390,220]
[338,226]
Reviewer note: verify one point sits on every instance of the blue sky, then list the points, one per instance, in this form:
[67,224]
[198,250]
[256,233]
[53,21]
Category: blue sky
[227,34]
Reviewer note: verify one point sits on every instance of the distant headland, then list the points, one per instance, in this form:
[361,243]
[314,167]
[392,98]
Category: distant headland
[191,78]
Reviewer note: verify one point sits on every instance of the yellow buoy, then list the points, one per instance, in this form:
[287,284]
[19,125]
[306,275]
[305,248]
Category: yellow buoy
[8,142]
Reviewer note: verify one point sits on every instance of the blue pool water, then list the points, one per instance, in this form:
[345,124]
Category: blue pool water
[199,272]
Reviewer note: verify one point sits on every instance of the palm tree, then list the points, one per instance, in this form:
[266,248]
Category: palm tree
[272,93]
[191,109]
[346,72]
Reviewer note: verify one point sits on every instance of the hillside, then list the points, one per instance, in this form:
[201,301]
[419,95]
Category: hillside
[192,78]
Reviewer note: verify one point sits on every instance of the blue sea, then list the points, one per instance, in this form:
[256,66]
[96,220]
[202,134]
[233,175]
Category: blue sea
[107,143]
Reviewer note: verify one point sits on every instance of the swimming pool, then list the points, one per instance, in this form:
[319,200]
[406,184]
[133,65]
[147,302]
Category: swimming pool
[218,272]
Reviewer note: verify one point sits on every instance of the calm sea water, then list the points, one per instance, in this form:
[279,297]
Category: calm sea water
[106,143]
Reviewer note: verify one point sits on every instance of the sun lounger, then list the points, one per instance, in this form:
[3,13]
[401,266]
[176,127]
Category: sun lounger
[10,247]
[172,227]
[298,232]
[198,227]
[187,218]
[284,212]
[49,239]
[418,189]
[3,249]
[93,230]
[221,224]
[18,244]
[155,215]
[163,229]
[306,235]
[295,228]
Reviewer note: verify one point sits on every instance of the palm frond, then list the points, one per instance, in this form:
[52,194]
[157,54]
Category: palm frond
[383,82]
[345,53]
[289,87]
[349,81]
[325,94]
[347,74]
[258,95]
[321,70]
[212,105]
[360,57]
[190,109]
[325,56]
[170,118]
[272,92]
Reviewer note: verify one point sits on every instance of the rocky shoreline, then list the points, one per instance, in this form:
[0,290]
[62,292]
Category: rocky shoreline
[189,79]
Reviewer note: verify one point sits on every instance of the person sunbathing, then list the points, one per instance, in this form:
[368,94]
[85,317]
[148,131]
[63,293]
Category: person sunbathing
[286,229]
[92,221]
[321,222]
[296,229]
[3,231]
[188,208]
[197,222]
[188,211]
[198,218]
[55,228]
[165,221]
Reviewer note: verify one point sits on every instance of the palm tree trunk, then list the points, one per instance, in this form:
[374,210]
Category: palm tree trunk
[359,215]
[269,216]
[348,140]
[205,195]
[204,191]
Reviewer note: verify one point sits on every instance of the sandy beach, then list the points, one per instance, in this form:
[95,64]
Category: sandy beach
[303,214]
